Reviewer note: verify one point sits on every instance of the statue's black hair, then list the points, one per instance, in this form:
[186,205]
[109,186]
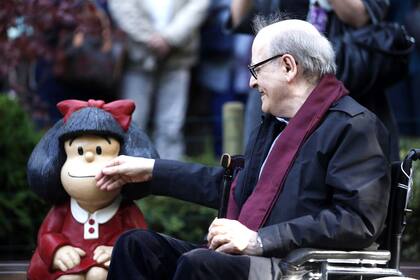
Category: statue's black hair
[48,157]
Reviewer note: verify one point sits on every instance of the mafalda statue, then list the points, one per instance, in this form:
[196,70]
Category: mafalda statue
[75,240]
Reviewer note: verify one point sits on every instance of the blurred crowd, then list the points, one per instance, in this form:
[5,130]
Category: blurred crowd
[181,60]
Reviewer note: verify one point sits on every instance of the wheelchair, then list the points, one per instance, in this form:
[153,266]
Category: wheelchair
[312,263]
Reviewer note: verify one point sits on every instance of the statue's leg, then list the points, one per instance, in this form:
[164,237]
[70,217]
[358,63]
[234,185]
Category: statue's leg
[72,277]
[96,273]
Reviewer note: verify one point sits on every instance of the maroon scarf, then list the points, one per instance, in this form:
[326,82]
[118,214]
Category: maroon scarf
[259,204]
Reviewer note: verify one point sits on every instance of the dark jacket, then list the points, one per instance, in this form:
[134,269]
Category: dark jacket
[335,196]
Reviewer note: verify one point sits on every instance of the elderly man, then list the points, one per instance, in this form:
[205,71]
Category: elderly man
[315,174]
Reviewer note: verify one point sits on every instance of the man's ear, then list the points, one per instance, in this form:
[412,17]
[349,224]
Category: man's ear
[290,65]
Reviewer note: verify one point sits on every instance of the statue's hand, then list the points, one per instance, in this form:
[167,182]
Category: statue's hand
[67,257]
[102,254]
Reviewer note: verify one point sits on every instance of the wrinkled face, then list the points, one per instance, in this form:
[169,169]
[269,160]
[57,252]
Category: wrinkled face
[270,82]
[86,156]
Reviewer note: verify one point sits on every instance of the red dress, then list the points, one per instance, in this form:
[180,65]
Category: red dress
[61,228]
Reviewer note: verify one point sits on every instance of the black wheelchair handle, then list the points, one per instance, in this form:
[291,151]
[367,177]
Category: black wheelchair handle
[225,161]
[413,154]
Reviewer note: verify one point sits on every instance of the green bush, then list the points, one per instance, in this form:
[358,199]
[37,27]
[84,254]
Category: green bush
[177,218]
[21,212]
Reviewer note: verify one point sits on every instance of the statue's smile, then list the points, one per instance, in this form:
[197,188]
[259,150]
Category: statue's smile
[87,176]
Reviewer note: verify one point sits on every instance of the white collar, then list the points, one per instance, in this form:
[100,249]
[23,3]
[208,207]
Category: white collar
[283,120]
[101,216]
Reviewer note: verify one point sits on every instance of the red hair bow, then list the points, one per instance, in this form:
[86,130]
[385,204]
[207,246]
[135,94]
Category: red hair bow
[121,110]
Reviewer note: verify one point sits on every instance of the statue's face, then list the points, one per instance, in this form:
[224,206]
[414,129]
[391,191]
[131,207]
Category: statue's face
[86,156]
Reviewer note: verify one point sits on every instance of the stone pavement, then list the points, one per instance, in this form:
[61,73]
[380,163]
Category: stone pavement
[16,270]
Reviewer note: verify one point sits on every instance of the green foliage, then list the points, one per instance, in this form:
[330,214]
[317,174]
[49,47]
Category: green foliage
[20,209]
[177,218]
[411,241]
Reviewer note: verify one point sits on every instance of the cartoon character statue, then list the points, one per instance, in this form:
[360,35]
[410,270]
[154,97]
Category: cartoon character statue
[76,238]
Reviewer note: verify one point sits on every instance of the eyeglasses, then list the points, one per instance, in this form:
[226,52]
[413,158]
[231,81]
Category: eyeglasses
[252,68]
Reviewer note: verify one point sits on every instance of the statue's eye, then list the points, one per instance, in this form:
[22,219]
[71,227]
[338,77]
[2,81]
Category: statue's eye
[80,151]
[98,150]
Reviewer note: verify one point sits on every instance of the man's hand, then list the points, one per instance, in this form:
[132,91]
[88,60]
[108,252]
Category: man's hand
[67,257]
[123,170]
[102,254]
[159,45]
[230,236]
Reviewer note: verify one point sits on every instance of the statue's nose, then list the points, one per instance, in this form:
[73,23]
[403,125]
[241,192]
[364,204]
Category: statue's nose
[89,156]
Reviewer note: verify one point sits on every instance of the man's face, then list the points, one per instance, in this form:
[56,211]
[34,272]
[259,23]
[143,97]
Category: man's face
[86,156]
[270,82]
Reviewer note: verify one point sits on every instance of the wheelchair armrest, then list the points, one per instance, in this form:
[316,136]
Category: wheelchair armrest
[300,256]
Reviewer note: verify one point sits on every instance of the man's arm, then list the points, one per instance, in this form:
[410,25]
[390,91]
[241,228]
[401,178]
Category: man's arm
[359,180]
[358,13]
[351,12]
[186,181]
[191,182]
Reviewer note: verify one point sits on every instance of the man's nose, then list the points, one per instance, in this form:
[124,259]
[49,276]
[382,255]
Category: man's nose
[252,82]
[89,156]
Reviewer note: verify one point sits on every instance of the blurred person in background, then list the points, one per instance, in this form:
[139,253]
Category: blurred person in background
[40,53]
[223,58]
[163,46]
[405,96]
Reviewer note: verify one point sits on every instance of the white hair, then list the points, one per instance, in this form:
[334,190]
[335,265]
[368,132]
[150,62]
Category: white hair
[312,51]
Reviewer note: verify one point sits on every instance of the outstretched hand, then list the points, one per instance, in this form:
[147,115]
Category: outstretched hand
[232,237]
[123,170]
